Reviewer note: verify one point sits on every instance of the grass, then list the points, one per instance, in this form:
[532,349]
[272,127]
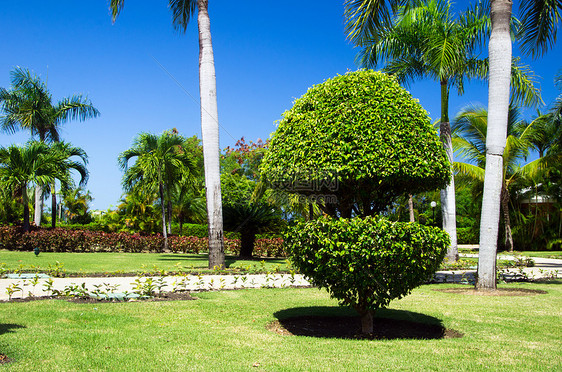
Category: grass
[138,263]
[227,331]
[87,263]
[542,254]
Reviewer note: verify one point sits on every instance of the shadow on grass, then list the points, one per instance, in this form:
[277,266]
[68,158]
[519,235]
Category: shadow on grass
[8,328]
[338,322]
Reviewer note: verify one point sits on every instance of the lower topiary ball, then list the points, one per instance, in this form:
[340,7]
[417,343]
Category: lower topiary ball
[366,262]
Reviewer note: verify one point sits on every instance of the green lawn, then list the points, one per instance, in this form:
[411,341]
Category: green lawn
[543,254]
[226,331]
[83,263]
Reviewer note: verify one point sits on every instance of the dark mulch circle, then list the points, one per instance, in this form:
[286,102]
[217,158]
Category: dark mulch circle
[350,327]
[166,296]
[4,359]
[497,292]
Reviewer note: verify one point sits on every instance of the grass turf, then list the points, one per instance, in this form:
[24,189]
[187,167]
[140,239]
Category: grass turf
[226,331]
[157,263]
[84,263]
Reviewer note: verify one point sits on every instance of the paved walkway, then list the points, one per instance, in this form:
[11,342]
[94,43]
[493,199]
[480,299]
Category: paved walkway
[28,285]
[544,268]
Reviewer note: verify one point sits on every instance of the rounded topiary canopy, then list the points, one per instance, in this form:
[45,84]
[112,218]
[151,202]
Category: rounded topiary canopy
[359,137]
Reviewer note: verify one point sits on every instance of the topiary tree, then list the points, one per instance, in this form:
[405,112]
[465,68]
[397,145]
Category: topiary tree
[359,137]
[352,145]
[366,262]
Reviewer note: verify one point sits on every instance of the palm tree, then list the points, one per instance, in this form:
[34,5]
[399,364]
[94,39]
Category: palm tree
[66,152]
[469,142]
[161,162]
[250,219]
[188,205]
[36,164]
[182,11]
[29,105]
[138,211]
[77,202]
[539,25]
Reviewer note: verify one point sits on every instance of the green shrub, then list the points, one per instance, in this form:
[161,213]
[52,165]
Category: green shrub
[467,235]
[195,229]
[73,240]
[358,141]
[365,263]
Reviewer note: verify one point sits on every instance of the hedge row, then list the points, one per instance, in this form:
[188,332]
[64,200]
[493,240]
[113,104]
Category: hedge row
[64,240]
[188,229]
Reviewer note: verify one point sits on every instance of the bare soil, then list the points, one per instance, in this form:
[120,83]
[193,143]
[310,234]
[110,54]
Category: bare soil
[166,296]
[4,359]
[350,327]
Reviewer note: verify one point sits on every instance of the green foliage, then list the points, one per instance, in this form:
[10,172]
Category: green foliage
[75,238]
[76,203]
[366,262]
[250,219]
[360,137]
[29,105]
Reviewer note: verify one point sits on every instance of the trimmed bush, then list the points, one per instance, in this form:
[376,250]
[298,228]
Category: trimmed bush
[359,138]
[365,263]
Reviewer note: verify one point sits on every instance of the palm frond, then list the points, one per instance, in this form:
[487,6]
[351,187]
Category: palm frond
[524,85]
[469,170]
[540,19]
[182,11]
[364,17]
[115,7]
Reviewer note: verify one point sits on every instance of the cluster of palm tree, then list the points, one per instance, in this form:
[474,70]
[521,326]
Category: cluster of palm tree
[28,105]
[163,164]
[420,38]
[519,177]
[38,164]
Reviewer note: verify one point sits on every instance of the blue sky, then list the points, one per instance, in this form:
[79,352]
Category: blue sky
[143,76]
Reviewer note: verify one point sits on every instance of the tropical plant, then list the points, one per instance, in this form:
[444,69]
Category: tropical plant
[182,11]
[188,205]
[29,105]
[136,212]
[160,163]
[67,153]
[539,25]
[469,142]
[34,164]
[250,219]
[76,204]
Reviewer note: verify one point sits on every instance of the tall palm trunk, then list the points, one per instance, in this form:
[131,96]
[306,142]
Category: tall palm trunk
[164,232]
[448,207]
[169,215]
[38,205]
[53,206]
[25,209]
[499,51]
[210,134]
